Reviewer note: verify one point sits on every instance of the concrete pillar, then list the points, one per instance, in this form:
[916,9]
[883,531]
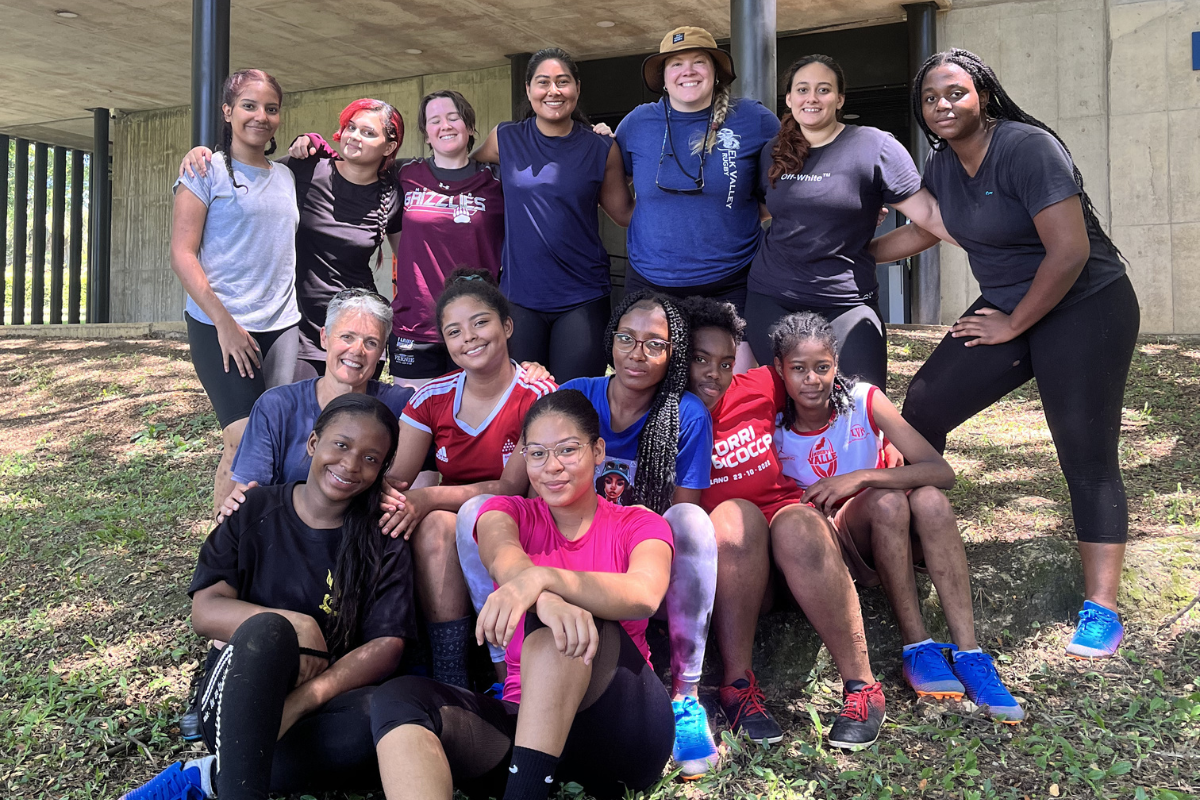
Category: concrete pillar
[752,44]
[926,305]
[517,64]
[210,67]
[100,213]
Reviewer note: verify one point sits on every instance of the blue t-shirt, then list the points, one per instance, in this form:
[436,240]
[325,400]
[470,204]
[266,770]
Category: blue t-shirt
[553,258]
[690,239]
[274,448]
[692,465]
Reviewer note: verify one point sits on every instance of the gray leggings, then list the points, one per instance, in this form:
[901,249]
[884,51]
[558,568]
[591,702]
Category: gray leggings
[689,600]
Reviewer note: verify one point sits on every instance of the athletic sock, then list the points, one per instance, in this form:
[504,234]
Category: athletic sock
[205,765]
[915,645]
[530,775]
[960,653]
[448,643]
[854,686]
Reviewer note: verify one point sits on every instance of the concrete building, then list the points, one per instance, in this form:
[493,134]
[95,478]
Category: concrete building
[1116,79]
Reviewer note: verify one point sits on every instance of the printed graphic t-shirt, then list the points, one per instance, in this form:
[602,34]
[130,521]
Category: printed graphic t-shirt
[465,454]
[744,463]
[689,239]
[606,547]
[620,448]
[850,442]
[274,447]
[273,559]
[824,217]
[447,224]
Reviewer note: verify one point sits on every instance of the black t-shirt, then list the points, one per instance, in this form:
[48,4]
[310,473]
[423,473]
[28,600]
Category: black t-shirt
[338,235]
[991,215]
[273,559]
[823,219]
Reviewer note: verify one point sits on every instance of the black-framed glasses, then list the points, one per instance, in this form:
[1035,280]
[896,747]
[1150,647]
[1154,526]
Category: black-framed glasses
[653,348]
[567,453]
[668,150]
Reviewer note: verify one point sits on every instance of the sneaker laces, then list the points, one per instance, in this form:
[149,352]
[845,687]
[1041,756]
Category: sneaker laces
[857,705]
[1093,623]
[690,722]
[931,650]
[982,673]
[750,699]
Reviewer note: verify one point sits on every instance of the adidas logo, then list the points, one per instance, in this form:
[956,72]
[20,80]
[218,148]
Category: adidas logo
[441,455]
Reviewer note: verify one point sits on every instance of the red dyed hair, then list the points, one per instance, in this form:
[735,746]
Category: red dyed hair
[393,124]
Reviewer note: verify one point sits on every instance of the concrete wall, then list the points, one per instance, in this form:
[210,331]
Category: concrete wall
[1114,78]
[147,148]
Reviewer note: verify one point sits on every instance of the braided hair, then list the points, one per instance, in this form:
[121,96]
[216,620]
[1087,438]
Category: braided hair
[999,107]
[564,58]
[393,130]
[658,443]
[787,334]
[791,148]
[360,552]
[230,91]
[705,312]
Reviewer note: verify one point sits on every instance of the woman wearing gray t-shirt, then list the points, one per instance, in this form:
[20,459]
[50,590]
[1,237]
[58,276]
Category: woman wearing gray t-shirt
[824,183]
[233,248]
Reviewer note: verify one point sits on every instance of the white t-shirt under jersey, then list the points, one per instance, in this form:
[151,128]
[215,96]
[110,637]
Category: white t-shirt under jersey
[847,443]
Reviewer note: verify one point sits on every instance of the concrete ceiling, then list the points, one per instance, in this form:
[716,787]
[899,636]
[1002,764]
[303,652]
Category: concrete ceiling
[136,54]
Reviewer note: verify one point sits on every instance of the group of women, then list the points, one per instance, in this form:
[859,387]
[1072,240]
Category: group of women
[550,515]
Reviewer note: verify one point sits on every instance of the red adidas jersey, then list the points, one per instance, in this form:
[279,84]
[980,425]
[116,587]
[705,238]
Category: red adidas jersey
[465,454]
[744,464]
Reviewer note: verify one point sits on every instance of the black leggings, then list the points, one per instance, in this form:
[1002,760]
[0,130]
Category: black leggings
[568,343]
[231,395]
[730,289]
[621,737]
[1080,357]
[861,335]
[241,706]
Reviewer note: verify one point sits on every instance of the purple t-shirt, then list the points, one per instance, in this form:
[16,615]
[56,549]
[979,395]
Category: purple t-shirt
[823,219]
[991,215]
[553,257]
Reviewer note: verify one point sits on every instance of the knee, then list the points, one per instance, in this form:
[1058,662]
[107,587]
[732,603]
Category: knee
[402,701]
[433,541]
[740,528]
[266,633]
[692,531]
[929,504]
[801,537]
[889,508]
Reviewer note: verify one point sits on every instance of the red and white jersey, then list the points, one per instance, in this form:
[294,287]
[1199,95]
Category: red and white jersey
[465,454]
[848,443]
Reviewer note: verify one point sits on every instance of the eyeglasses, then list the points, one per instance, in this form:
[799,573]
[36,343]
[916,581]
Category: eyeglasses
[567,453]
[668,149]
[653,348]
[350,294]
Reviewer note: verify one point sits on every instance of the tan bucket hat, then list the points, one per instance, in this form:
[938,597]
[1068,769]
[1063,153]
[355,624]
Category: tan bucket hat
[679,40]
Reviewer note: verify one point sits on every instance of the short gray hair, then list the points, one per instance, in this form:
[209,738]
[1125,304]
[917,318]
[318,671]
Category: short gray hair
[363,300]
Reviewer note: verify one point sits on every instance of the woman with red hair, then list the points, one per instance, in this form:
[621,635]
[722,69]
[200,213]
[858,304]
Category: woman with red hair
[348,206]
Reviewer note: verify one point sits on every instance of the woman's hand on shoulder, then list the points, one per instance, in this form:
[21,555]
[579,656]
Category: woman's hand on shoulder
[535,371]
[195,162]
[302,148]
[602,129]
[234,500]
[574,629]
[392,502]
[500,615]
[414,507]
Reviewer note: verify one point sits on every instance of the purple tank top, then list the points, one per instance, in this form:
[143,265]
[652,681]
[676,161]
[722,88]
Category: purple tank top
[553,258]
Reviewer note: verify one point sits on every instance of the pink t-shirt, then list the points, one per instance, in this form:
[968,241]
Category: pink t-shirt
[606,547]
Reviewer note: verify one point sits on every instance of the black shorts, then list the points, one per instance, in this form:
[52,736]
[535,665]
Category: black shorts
[231,395]
[418,360]
[730,289]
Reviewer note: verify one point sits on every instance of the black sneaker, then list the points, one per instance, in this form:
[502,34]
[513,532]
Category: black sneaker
[861,718]
[744,706]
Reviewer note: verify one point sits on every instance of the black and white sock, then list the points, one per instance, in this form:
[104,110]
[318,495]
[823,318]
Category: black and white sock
[530,775]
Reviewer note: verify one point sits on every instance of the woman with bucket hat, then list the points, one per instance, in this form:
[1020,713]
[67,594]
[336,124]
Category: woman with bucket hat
[693,158]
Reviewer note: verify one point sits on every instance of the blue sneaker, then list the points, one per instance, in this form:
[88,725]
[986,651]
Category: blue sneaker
[978,674]
[173,783]
[928,674]
[694,751]
[1099,632]
[496,690]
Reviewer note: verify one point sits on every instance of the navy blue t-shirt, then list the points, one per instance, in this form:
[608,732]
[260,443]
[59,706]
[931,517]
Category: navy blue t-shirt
[991,215]
[692,465]
[824,217]
[274,447]
[553,258]
[691,239]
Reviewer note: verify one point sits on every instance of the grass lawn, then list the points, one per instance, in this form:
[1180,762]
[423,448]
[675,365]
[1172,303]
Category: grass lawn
[106,456]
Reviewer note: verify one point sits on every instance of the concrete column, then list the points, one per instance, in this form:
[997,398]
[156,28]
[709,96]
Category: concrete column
[100,213]
[210,67]
[925,307]
[752,44]
[517,64]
